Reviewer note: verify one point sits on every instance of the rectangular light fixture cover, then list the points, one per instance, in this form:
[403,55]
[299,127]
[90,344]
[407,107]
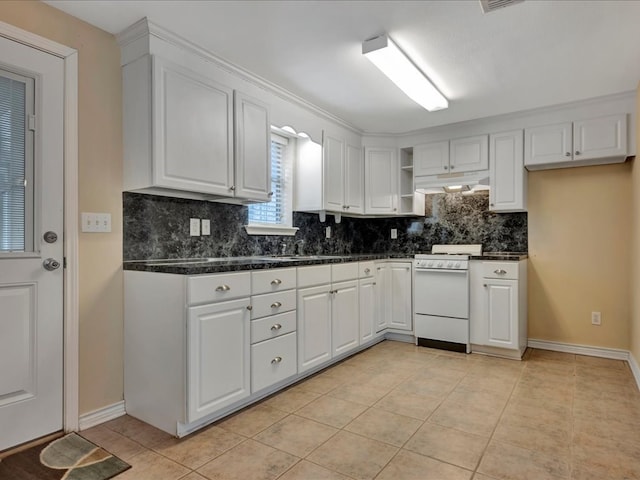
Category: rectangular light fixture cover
[386,55]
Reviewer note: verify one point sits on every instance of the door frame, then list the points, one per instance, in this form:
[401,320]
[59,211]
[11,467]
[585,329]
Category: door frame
[70,282]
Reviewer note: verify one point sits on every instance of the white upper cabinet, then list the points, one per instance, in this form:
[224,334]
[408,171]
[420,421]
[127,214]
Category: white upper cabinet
[343,173]
[381,181]
[354,179]
[450,156]
[572,144]
[253,148]
[179,134]
[507,175]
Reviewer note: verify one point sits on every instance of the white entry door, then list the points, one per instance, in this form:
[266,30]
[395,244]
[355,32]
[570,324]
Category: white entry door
[31,205]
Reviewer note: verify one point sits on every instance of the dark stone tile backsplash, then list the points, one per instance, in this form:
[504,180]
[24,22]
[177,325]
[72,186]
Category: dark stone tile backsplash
[158,227]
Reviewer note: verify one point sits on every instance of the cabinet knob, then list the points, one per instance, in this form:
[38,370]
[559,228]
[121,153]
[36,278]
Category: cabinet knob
[367,271]
[577,152]
[232,188]
[374,283]
[223,288]
[485,285]
[568,154]
[276,360]
[452,167]
[491,204]
[270,194]
[395,209]
[347,207]
[276,305]
[277,281]
[249,307]
[277,326]
[446,168]
[500,271]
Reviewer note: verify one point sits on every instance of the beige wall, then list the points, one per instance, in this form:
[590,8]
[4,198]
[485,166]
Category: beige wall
[635,241]
[579,247]
[100,170]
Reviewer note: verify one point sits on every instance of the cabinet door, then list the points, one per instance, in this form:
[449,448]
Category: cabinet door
[218,365]
[600,137]
[253,148]
[333,151]
[469,154]
[345,321]
[547,144]
[383,303]
[192,131]
[399,289]
[431,158]
[508,177]
[367,292]
[314,327]
[381,181]
[354,180]
[501,309]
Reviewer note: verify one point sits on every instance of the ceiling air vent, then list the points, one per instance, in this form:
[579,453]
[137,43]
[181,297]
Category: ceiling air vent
[491,5]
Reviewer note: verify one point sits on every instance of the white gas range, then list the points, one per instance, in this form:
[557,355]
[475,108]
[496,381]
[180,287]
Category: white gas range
[441,297]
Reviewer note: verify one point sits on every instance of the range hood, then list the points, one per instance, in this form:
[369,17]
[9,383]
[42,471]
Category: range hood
[478,180]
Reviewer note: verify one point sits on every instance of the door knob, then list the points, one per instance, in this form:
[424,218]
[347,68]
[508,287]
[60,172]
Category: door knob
[51,264]
[50,237]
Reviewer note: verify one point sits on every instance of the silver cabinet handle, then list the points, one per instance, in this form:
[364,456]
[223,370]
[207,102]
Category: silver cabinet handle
[277,326]
[446,168]
[500,272]
[568,154]
[485,285]
[276,305]
[491,204]
[249,307]
[270,194]
[374,283]
[277,281]
[223,288]
[367,271]
[331,292]
[577,152]
[232,188]
[276,360]
[51,264]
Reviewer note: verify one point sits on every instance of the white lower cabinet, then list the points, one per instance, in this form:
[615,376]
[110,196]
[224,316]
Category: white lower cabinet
[498,318]
[273,361]
[394,296]
[345,321]
[218,357]
[367,289]
[314,326]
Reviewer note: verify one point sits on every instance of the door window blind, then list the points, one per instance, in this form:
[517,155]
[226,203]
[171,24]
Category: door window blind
[15,163]
[274,212]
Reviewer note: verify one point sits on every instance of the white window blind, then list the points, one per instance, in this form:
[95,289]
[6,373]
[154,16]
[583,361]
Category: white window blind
[276,211]
[16,163]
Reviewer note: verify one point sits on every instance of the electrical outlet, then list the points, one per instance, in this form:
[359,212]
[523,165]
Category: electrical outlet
[206,226]
[596,318]
[194,227]
[327,232]
[394,233]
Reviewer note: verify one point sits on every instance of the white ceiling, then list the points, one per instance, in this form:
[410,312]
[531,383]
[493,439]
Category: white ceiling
[528,55]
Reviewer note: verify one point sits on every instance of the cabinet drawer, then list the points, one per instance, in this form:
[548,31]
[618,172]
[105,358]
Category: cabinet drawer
[344,271]
[272,303]
[272,361]
[366,270]
[315,275]
[216,288]
[500,270]
[273,326]
[273,280]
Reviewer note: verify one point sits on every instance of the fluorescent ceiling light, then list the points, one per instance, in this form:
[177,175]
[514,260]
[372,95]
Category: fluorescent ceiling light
[386,55]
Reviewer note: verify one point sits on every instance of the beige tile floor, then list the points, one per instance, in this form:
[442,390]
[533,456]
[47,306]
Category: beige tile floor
[400,412]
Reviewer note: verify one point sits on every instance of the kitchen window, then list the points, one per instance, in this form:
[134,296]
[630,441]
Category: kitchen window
[276,217]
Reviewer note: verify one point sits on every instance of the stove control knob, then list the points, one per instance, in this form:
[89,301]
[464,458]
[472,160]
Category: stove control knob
[419,263]
[457,264]
[449,264]
[440,264]
[430,263]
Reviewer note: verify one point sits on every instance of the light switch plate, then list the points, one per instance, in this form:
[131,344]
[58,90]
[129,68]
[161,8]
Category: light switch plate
[95,222]
[206,226]
[194,227]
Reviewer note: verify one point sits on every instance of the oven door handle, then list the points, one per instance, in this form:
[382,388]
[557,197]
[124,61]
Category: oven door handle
[439,270]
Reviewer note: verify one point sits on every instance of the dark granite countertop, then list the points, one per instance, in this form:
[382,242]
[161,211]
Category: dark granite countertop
[503,256]
[196,266]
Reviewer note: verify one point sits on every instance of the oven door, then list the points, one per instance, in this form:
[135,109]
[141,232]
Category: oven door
[441,293]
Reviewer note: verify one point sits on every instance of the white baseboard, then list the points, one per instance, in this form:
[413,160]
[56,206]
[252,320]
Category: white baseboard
[602,352]
[96,417]
[635,368]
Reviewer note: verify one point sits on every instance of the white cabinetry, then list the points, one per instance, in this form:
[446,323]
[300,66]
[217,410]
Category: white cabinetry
[411,202]
[381,181]
[178,127]
[394,296]
[314,326]
[345,321]
[451,156]
[343,173]
[368,297]
[572,144]
[498,319]
[508,177]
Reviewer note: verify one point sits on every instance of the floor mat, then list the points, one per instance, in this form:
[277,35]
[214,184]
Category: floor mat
[67,458]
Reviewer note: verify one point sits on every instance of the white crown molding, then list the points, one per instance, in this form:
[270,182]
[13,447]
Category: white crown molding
[144,27]
[613,353]
[102,415]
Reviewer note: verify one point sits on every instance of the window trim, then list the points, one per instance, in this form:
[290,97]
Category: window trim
[286,228]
